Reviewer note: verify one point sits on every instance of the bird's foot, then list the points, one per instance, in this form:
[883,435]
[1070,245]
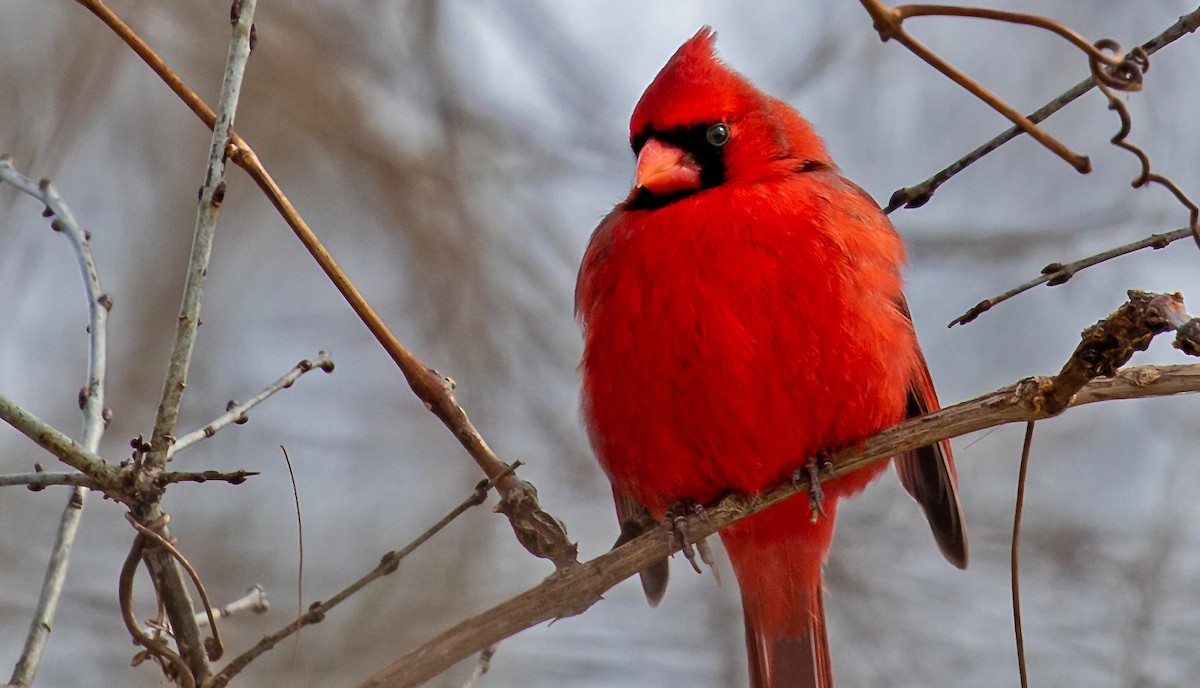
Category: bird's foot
[676,524]
[816,496]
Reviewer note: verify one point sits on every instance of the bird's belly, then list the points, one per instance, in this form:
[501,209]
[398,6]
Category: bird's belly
[723,390]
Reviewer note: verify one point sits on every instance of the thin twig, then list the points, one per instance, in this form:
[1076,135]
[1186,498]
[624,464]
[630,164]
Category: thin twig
[49,438]
[171,586]
[908,11]
[1055,274]
[235,413]
[212,195]
[317,610]
[233,478]
[255,600]
[91,402]
[41,480]
[1137,63]
[1015,561]
[539,532]
[299,546]
[918,195]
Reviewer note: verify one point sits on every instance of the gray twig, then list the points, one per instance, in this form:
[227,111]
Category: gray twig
[172,587]
[40,480]
[236,413]
[91,401]
[255,600]
[52,440]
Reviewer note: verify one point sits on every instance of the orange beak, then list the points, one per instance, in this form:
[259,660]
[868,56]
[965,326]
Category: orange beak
[665,169]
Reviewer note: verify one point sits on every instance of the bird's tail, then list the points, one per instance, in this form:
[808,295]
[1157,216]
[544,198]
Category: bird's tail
[784,661]
[777,556]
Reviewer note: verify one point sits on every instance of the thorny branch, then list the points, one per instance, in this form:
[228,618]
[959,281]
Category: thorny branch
[1105,345]
[538,531]
[91,402]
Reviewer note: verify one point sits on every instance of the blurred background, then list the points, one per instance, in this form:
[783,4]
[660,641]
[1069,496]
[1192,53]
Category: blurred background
[454,156]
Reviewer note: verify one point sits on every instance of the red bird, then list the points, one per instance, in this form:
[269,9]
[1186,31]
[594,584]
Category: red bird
[742,312]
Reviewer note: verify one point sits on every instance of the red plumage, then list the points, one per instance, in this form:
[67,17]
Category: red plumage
[743,311]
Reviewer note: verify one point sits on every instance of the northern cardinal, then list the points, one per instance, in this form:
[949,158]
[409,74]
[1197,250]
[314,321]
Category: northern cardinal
[743,311]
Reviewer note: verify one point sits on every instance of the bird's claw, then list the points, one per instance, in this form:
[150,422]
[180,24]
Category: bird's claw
[676,523]
[816,496]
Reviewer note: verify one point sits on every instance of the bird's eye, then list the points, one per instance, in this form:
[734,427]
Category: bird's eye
[717,135]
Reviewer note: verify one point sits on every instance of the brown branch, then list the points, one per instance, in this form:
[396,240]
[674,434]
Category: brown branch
[179,670]
[1139,62]
[1015,555]
[903,12]
[317,610]
[575,589]
[919,194]
[213,647]
[889,24]
[1055,274]
[539,532]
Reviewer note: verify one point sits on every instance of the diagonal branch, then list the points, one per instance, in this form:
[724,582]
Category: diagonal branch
[538,531]
[1055,274]
[919,194]
[317,610]
[573,591]
[1106,344]
[235,414]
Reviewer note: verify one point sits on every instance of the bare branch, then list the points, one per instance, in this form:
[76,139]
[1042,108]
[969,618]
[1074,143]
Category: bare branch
[163,566]
[255,600]
[1055,274]
[919,194]
[538,531]
[49,438]
[40,480]
[212,194]
[234,478]
[317,610]
[889,24]
[91,402]
[235,414]
[572,591]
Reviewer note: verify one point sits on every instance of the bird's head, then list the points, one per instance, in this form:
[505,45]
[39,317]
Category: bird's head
[700,124]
